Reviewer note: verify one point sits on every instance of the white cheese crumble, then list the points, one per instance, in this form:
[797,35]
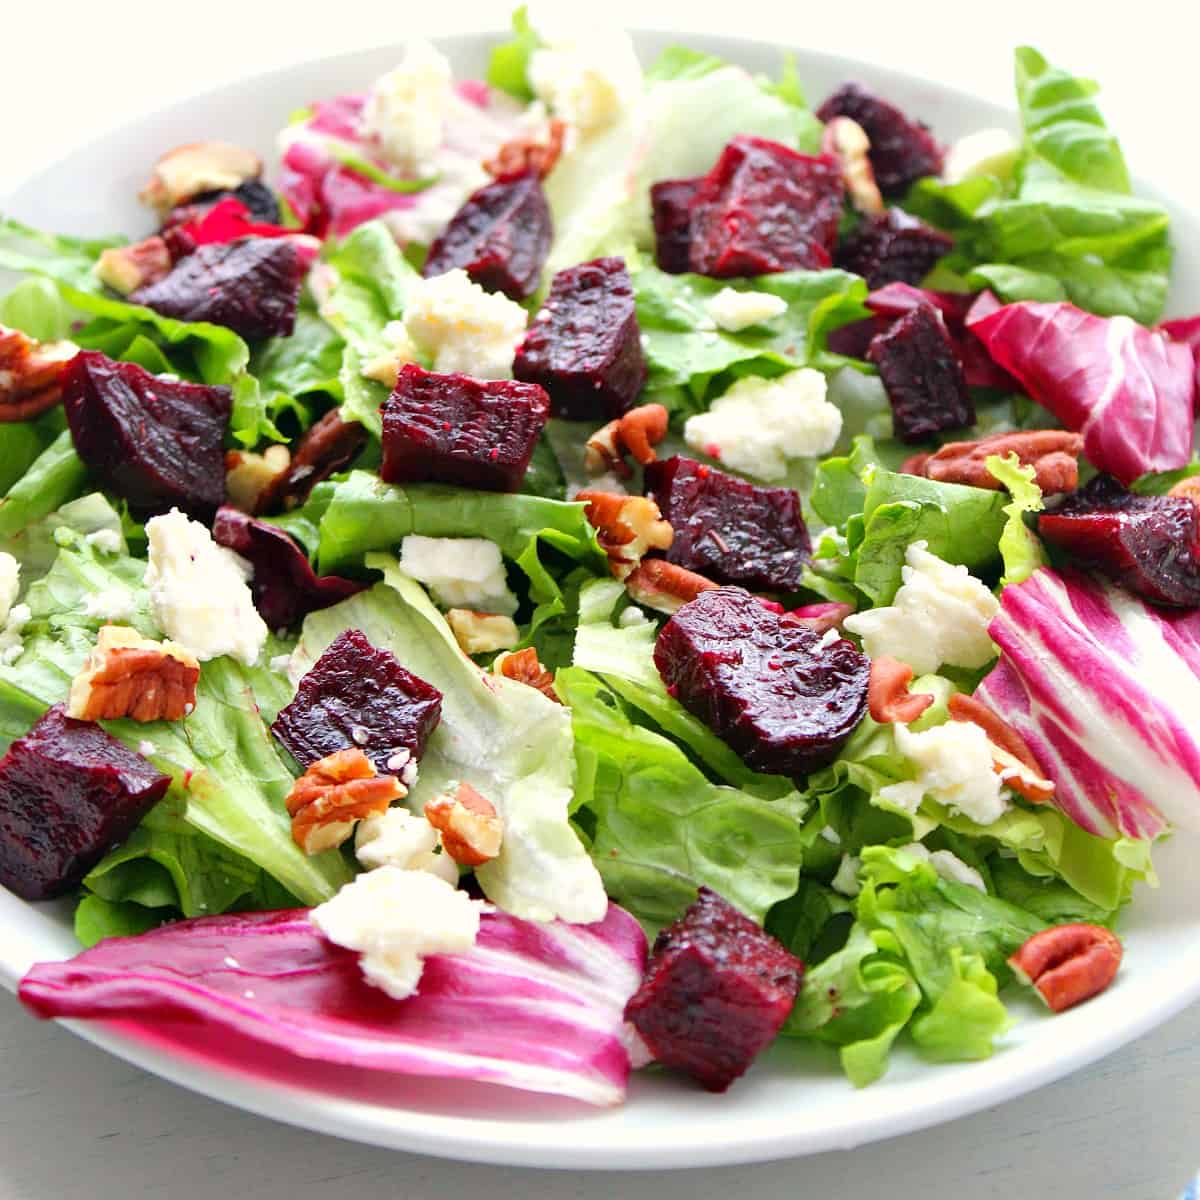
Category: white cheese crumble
[398,838]
[107,541]
[759,424]
[460,327]
[111,604]
[954,766]
[939,616]
[394,918]
[145,748]
[985,152]
[405,112]
[199,595]
[906,795]
[948,865]
[846,879]
[460,572]
[11,639]
[632,616]
[10,584]
[280,663]
[734,311]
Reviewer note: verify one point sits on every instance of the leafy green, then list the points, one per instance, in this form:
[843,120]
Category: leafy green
[36,546]
[97,919]
[362,398]
[510,60]
[1019,546]
[363,166]
[20,444]
[55,476]
[661,828]
[35,307]
[681,62]
[306,362]
[67,259]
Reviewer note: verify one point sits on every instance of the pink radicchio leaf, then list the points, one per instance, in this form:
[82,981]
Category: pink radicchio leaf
[1127,389]
[1104,689]
[1187,331]
[539,1007]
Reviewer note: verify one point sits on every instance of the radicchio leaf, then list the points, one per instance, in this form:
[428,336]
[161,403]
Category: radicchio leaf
[1187,331]
[1129,390]
[539,1007]
[1104,689]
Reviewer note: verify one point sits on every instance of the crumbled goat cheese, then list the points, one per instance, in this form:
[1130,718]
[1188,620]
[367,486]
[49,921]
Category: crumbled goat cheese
[940,615]
[846,879]
[734,311]
[985,152]
[632,616]
[460,572]
[954,766]
[394,918]
[110,604]
[948,865]
[11,640]
[199,595]
[398,838]
[405,112]
[759,424]
[906,795]
[145,748]
[10,584]
[107,541]
[280,663]
[831,835]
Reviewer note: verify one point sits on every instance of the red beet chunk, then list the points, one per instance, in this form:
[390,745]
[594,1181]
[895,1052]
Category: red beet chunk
[902,151]
[764,208]
[1150,544]
[764,683]
[716,992]
[500,237]
[729,530]
[358,695]
[457,429]
[69,793]
[893,247]
[157,443]
[671,201]
[285,587]
[250,286]
[922,374]
[584,346]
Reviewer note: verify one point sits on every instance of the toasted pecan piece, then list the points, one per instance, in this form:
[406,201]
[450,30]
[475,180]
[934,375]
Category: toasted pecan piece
[127,675]
[333,795]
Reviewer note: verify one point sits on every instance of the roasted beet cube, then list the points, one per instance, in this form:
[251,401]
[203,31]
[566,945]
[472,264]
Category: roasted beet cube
[69,793]
[457,429]
[671,201]
[157,443]
[765,683]
[329,446]
[921,372]
[500,237]
[716,992]
[764,208]
[584,346]
[1150,544]
[358,695]
[250,286]
[902,151]
[285,587]
[730,530]
[893,247]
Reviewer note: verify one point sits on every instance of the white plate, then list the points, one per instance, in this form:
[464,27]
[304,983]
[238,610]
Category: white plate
[794,1101]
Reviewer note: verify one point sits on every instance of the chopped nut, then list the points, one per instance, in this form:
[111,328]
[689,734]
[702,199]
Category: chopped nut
[127,675]
[127,268]
[333,795]
[198,167]
[1188,488]
[1068,964]
[888,697]
[1012,758]
[481,633]
[525,667]
[248,475]
[636,434]
[665,587]
[627,527]
[847,141]
[528,154]
[328,446]
[470,828]
[1051,452]
[30,374]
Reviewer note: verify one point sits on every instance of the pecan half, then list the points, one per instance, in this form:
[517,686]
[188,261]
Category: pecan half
[249,475]
[30,374]
[328,446]
[333,795]
[664,586]
[888,697]
[1012,758]
[480,632]
[626,527]
[127,675]
[1188,488]
[847,141]
[195,168]
[525,155]
[470,827]
[1051,452]
[127,268]
[525,667]
[635,434]
[1068,964]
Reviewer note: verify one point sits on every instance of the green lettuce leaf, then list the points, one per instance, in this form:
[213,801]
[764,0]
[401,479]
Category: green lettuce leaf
[1019,546]
[97,919]
[69,260]
[36,546]
[304,364]
[509,60]
[35,307]
[55,476]
[20,444]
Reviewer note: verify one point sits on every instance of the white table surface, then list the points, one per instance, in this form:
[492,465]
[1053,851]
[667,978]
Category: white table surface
[73,1119]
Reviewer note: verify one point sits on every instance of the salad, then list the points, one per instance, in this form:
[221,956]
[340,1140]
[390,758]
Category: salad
[599,568]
